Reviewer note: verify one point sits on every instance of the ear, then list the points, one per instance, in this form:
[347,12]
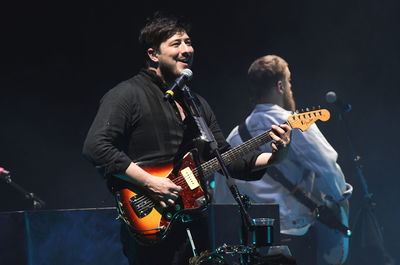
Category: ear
[152,55]
[280,87]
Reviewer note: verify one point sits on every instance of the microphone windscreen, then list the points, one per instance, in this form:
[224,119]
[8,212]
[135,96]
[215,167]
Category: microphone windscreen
[331,97]
[188,73]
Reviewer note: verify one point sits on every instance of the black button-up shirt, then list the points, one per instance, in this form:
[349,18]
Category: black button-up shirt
[135,123]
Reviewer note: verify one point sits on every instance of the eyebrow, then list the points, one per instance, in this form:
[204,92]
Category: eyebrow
[180,40]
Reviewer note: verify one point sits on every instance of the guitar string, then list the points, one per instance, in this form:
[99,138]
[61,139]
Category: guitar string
[142,202]
[148,203]
[211,165]
[235,153]
[208,166]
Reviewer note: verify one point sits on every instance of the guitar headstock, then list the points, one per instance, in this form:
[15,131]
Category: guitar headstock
[305,119]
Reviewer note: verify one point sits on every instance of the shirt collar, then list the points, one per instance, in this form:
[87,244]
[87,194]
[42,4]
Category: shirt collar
[155,78]
[267,107]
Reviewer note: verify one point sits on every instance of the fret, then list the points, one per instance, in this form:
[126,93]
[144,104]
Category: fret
[301,121]
[233,154]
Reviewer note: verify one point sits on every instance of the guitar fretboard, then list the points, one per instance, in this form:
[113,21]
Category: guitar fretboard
[209,167]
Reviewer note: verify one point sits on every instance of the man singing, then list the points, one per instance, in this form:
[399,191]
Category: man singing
[136,127]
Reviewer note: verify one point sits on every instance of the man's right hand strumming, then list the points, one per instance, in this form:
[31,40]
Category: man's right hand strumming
[162,190]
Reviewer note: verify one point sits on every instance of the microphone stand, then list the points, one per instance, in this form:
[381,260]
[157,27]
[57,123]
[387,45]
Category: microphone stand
[207,136]
[36,201]
[370,230]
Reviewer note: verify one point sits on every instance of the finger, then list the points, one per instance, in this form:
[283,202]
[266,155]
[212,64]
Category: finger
[163,204]
[175,190]
[174,195]
[274,147]
[274,136]
[285,127]
[279,132]
[278,129]
[171,201]
[280,144]
[286,139]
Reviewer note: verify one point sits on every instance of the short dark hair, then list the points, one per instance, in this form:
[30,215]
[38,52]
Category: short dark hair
[160,27]
[264,73]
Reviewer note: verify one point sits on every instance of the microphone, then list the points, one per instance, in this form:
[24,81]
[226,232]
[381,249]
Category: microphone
[331,97]
[185,76]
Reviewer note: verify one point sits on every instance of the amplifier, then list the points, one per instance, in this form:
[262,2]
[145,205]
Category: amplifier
[225,222]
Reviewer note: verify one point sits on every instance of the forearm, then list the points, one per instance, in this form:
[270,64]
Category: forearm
[281,136]
[161,189]
[263,160]
[136,175]
[268,159]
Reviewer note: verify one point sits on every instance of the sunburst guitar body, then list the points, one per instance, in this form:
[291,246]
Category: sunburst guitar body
[148,221]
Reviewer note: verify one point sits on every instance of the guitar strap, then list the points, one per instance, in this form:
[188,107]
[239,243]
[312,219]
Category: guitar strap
[278,176]
[322,212]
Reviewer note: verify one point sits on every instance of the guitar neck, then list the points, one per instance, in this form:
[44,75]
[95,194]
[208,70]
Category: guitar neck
[235,153]
[301,121]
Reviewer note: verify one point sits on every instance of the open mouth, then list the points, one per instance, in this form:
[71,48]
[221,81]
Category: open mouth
[185,61]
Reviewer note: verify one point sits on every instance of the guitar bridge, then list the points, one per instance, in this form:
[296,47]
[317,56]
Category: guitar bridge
[201,201]
[141,205]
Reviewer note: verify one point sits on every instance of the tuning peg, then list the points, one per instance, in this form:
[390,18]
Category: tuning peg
[313,108]
[307,109]
[296,111]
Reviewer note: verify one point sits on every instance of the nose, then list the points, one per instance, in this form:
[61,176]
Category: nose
[186,49]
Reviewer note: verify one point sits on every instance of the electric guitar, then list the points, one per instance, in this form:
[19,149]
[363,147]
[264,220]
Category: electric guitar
[150,223]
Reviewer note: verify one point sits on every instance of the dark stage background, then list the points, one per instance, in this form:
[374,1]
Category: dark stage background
[59,57]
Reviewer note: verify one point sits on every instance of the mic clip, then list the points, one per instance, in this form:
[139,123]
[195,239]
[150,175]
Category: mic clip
[179,83]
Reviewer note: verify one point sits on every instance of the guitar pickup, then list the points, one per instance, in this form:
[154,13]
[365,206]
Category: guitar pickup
[189,177]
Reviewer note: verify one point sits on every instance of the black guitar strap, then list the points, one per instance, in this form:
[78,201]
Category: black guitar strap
[324,214]
[278,176]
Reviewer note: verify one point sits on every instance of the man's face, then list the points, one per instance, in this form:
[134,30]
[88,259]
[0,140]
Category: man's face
[288,100]
[174,55]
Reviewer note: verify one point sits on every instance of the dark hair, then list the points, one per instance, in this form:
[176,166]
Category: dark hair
[160,27]
[264,73]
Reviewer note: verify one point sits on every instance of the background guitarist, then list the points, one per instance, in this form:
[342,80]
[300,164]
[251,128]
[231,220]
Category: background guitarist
[135,126]
[310,165]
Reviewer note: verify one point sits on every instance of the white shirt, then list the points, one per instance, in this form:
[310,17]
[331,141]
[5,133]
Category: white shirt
[310,164]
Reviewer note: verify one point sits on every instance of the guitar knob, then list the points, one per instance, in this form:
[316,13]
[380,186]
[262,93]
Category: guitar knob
[168,216]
